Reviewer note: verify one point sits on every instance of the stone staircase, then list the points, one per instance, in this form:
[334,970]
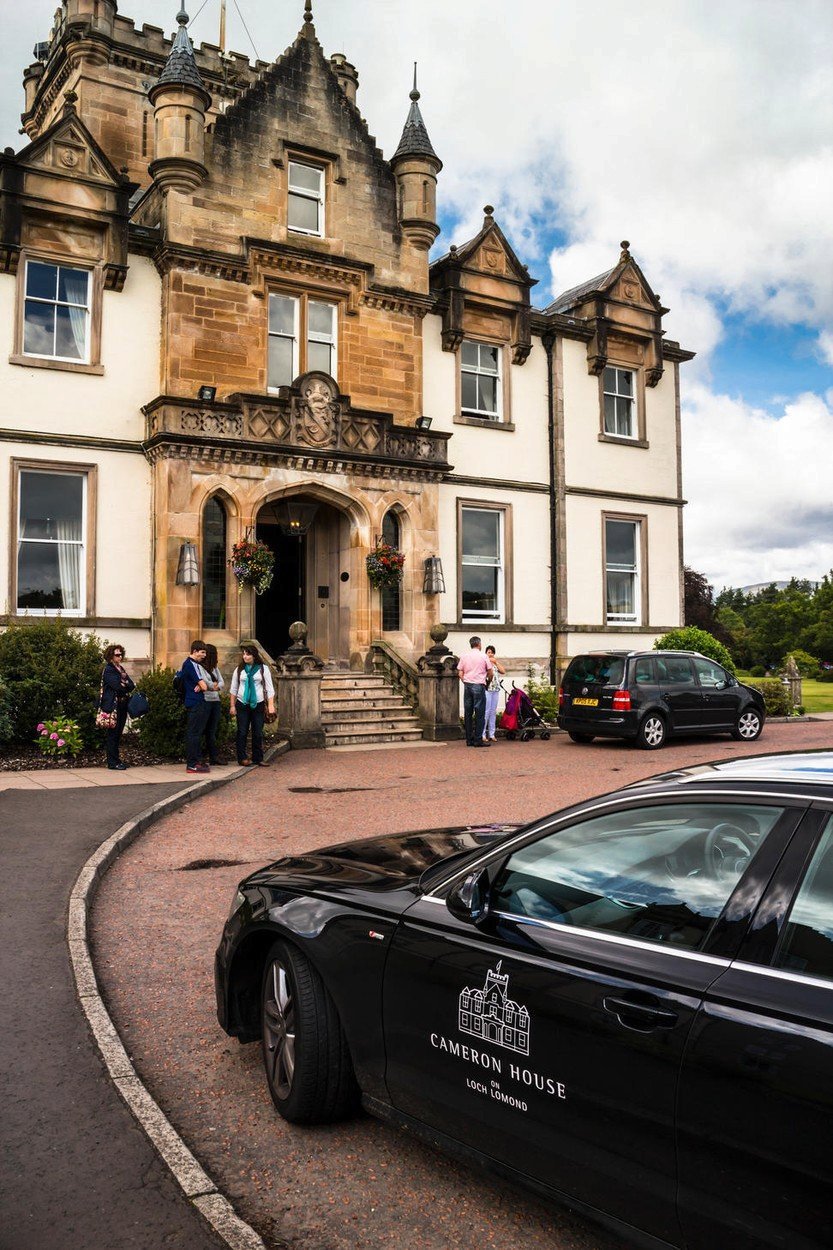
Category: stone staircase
[358,708]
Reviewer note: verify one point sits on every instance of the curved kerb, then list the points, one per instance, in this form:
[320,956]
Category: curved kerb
[195,1183]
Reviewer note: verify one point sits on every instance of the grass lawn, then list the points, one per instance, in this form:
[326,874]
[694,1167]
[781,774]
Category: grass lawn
[817,696]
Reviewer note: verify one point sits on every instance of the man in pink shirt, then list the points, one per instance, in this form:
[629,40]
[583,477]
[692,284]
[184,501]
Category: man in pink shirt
[474,670]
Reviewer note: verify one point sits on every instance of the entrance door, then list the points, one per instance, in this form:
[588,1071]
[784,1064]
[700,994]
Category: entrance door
[284,601]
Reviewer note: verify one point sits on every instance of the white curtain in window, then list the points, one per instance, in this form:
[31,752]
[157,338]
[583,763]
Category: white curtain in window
[75,283]
[69,561]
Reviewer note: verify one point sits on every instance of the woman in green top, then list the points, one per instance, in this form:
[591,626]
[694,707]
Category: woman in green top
[252,693]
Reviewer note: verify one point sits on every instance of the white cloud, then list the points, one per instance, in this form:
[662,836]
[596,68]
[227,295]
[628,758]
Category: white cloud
[826,346]
[759,488]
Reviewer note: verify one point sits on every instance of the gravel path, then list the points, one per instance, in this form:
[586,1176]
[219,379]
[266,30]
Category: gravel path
[157,922]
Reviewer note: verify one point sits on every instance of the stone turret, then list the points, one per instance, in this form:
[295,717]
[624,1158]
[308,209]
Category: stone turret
[416,165]
[180,102]
[347,75]
[88,26]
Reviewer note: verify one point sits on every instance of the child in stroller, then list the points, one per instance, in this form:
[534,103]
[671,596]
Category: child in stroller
[520,717]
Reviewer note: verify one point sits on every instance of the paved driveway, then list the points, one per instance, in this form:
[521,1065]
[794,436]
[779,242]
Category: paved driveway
[156,925]
[76,1171]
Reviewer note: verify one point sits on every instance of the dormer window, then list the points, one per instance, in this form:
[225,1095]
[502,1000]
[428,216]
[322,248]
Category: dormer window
[481,386]
[619,398]
[305,209]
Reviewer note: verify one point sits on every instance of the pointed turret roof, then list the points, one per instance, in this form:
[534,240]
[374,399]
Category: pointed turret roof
[415,141]
[181,66]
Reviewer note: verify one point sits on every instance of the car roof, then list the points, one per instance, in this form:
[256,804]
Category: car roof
[625,655]
[797,768]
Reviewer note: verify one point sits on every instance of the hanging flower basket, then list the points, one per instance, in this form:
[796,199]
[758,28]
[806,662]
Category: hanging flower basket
[384,566]
[253,564]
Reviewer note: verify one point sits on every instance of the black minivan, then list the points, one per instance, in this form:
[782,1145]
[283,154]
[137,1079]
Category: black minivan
[647,695]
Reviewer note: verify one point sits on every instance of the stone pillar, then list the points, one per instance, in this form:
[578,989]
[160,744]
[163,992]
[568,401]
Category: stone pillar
[439,690]
[298,674]
[791,678]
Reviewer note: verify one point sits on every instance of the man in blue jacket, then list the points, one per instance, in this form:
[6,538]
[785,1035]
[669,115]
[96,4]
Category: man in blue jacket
[195,706]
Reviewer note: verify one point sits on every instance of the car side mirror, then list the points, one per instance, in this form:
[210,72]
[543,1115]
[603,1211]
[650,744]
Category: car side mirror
[468,899]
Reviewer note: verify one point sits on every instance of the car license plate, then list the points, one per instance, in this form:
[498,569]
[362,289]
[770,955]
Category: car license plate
[585,702]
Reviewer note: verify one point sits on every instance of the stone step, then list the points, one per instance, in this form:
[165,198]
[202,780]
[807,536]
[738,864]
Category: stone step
[348,703]
[346,739]
[356,681]
[368,715]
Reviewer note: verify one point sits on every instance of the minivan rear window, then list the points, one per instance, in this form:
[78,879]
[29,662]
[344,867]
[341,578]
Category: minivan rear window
[601,670]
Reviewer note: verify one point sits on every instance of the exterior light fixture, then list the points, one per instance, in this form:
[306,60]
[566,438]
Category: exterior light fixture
[206,394]
[188,569]
[433,581]
[294,516]
[423,423]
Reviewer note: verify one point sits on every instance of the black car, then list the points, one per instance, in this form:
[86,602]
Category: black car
[647,695]
[627,1006]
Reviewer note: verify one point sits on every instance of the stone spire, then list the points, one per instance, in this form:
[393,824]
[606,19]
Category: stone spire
[180,101]
[415,141]
[308,29]
[181,67]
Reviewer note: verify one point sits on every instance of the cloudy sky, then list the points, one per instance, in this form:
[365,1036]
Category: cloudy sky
[700,130]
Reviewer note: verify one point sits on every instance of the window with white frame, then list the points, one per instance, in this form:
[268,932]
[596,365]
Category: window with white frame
[619,401]
[305,209]
[51,528]
[482,564]
[481,385]
[56,312]
[303,335]
[622,571]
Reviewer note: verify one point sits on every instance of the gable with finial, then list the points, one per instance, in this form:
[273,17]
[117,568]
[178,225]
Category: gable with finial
[70,198]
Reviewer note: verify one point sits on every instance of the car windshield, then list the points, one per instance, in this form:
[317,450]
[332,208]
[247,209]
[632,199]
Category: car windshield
[601,670]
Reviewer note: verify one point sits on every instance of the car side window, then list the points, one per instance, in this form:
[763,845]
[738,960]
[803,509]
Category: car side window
[806,944]
[711,675]
[675,670]
[659,874]
[643,672]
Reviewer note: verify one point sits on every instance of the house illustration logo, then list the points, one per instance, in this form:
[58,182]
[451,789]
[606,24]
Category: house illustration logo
[493,1016]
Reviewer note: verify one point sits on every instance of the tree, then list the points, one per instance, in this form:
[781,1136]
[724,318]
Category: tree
[690,638]
[698,600]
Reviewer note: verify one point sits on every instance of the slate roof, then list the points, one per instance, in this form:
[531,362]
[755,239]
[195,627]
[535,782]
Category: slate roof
[568,299]
[415,141]
[181,67]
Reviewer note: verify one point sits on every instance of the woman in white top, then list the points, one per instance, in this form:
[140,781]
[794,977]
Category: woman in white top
[492,695]
[214,682]
[252,694]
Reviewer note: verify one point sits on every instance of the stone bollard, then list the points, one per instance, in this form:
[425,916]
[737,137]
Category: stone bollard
[792,678]
[298,673]
[439,690]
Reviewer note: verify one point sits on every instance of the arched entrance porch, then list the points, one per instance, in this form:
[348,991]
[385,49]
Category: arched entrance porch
[314,577]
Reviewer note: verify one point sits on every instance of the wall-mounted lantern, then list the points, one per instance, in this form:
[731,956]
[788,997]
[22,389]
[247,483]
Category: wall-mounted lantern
[206,394]
[433,581]
[188,569]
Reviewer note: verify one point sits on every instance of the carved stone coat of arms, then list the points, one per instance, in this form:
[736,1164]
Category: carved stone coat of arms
[317,422]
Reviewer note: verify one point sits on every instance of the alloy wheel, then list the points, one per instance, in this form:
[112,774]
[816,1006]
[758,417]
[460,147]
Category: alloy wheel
[749,725]
[279,1030]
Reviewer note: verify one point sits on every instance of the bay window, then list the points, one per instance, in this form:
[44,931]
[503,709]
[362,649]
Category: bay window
[622,544]
[51,531]
[56,312]
[482,563]
[619,402]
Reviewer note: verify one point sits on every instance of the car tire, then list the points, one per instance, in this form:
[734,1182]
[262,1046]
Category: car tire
[305,1055]
[749,725]
[574,737]
[652,732]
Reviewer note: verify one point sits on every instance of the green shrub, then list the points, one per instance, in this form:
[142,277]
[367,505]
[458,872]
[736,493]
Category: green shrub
[690,638]
[6,721]
[776,695]
[807,665]
[826,674]
[544,696]
[757,671]
[161,731]
[49,670]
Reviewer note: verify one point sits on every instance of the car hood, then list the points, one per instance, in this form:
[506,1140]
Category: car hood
[391,861]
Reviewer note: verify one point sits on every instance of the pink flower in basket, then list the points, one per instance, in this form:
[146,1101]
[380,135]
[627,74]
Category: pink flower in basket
[61,742]
[43,733]
[41,727]
[53,737]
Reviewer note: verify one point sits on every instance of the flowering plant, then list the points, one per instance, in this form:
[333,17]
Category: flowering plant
[58,737]
[384,565]
[253,564]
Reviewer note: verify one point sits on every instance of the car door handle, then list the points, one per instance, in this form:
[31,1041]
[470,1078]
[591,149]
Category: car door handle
[636,1015]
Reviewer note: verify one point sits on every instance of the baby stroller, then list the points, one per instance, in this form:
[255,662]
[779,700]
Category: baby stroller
[519,716]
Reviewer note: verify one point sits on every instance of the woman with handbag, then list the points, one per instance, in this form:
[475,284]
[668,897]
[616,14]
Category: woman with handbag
[116,686]
[252,694]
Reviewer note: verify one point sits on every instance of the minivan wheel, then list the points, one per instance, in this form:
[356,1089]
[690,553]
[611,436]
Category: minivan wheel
[651,733]
[574,737]
[749,725]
